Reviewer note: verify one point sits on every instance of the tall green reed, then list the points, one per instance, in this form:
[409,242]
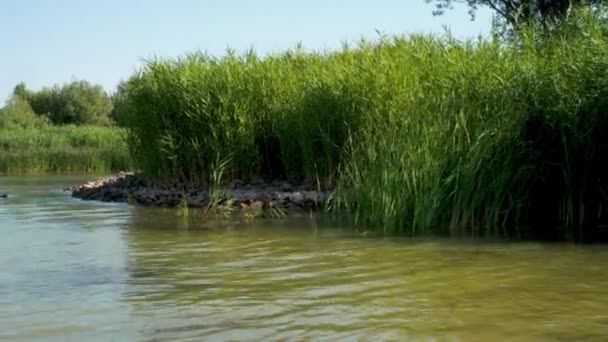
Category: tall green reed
[60,149]
[417,134]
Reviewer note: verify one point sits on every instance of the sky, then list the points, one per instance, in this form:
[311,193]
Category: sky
[46,42]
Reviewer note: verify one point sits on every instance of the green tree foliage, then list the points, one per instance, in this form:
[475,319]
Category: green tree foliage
[119,102]
[19,113]
[78,102]
[21,90]
[511,14]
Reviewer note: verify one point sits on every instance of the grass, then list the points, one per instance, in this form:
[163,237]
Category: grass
[417,134]
[62,149]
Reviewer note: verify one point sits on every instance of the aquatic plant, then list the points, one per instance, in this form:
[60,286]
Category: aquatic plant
[416,133]
[52,149]
[218,204]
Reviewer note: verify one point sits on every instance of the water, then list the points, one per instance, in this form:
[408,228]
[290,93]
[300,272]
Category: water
[87,271]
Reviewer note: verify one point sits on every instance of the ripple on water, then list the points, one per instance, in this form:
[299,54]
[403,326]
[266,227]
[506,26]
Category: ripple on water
[98,271]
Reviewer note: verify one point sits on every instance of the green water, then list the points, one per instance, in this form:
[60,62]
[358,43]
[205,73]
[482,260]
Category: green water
[87,271]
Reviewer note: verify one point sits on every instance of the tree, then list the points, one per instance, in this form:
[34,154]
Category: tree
[46,102]
[19,113]
[509,15]
[78,102]
[21,91]
[85,104]
[119,102]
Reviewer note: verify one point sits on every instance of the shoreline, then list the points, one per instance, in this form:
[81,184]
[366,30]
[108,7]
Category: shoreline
[256,195]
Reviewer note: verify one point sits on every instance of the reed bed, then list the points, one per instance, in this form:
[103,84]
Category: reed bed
[416,133]
[63,149]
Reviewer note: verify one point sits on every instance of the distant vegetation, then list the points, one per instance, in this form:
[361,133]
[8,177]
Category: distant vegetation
[65,128]
[64,149]
[19,113]
[78,102]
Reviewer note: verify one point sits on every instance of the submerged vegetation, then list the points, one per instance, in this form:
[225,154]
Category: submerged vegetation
[416,134]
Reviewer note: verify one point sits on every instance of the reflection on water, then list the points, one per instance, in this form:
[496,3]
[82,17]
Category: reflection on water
[97,271]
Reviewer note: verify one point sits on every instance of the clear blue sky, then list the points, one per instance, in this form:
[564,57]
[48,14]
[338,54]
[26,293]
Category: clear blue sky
[54,41]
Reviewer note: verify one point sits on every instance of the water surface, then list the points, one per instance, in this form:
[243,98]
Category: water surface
[75,270]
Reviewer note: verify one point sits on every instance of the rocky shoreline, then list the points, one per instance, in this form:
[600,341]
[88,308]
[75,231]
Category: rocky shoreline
[257,194]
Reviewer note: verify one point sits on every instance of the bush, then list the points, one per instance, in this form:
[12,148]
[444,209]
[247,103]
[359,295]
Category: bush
[19,113]
[119,105]
[78,102]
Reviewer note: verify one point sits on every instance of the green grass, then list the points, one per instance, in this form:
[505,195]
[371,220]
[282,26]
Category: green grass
[418,134]
[62,149]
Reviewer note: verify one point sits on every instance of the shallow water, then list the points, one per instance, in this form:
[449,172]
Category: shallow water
[74,270]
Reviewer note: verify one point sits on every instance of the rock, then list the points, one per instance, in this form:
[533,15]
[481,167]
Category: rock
[262,197]
[198,201]
[256,206]
[309,203]
[257,181]
[295,197]
[241,195]
[88,194]
[117,196]
[284,201]
[324,197]
[131,182]
[236,184]
[286,187]
[253,197]
[304,187]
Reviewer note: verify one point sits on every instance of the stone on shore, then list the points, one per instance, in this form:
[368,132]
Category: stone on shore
[256,196]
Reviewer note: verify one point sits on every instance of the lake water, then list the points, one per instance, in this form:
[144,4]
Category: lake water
[72,270]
